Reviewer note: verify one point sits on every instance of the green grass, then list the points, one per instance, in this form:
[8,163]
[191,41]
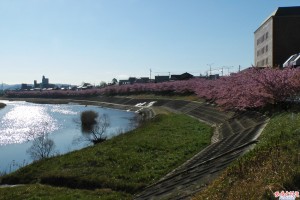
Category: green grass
[37,191]
[273,165]
[126,163]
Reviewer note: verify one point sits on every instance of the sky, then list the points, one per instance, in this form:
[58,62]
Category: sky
[75,41]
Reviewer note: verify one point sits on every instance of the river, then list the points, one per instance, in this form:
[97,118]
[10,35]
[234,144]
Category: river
[21,122]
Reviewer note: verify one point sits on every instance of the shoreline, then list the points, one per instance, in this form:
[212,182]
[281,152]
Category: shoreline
[67,101]
[146,112]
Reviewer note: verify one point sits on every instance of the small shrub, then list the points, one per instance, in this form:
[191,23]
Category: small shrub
[88,118]
[2,105]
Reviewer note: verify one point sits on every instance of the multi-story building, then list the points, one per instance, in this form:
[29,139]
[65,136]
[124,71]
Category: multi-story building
[45,82]
[278,37]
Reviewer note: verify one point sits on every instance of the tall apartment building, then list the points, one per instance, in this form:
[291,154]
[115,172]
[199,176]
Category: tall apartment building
[278,37]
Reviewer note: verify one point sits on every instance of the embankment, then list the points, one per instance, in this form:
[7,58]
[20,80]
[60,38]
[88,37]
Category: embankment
[235,134]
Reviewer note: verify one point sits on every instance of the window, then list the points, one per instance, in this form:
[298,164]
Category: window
[267,35]
[267,48]
[267,61]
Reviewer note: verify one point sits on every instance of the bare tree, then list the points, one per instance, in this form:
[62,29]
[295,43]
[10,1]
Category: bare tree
[99,129]
[42,147]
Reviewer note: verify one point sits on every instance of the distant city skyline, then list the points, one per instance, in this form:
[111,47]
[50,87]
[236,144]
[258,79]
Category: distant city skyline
[75,41]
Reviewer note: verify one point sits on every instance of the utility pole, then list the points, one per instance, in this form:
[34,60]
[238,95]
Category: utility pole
[210,67]
[150,74]
[239,68]
[224,67]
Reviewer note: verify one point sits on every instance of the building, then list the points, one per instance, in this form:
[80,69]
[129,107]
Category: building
[213,76]
[24,86]
[85,86]
[184,76]
[293,61]
[143,80]
[133,80]
[278,37]
[124,82]
[44,84]
[160,79]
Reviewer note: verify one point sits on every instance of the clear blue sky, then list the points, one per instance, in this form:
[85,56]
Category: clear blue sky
[71,41]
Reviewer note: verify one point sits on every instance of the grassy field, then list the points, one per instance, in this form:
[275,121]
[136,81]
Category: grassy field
[274,165]
[121,166]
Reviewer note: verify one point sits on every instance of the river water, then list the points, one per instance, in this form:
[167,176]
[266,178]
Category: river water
[21,122]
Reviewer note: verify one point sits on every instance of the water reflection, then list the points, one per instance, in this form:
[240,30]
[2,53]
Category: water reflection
[25,122]
[21,122]
[62,110]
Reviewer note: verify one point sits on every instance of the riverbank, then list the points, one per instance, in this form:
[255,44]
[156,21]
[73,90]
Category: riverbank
[125,164]
[145,112]
[237,132]
[75,101]
[277,139]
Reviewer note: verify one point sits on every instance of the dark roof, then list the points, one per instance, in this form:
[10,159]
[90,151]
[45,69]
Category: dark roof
[132,78]
[184,76]
[283,12]
[174,76]
[288,11]
[143,80]
[161,77]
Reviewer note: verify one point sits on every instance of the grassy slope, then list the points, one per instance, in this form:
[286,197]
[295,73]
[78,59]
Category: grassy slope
[37,191]
[274,165]
[125,163]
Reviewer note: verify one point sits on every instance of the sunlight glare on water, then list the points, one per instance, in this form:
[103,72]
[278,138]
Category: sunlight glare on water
[22,121]
[25,122]
[60,109]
